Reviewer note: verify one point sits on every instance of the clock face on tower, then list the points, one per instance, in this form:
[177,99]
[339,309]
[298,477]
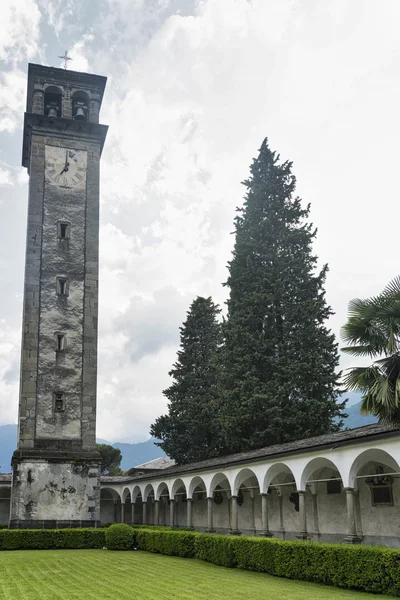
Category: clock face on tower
[66,167]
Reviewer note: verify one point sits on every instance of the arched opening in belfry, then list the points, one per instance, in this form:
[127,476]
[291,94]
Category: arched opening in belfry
[52,102]
[80,106]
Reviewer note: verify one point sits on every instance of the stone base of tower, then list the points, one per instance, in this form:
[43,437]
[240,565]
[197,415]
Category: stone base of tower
[55,490]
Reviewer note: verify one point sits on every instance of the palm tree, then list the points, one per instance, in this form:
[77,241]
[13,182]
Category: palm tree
[373,329]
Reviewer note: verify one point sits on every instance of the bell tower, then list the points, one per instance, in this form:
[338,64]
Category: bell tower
[56,468]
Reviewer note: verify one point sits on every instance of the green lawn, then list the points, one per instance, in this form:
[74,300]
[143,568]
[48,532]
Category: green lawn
[102,575]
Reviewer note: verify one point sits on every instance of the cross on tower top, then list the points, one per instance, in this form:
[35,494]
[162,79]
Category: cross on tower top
[65,58]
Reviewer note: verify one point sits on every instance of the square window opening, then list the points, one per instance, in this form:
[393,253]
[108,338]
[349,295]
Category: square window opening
[63,231]
[61,340]
[59,403]
[62,286]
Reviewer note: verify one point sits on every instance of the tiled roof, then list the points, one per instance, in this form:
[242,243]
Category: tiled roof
[344,438]
[158,463]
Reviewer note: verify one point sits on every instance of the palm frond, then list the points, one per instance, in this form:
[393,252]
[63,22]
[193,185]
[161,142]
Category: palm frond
[361,379]
[393,288]
[366,350]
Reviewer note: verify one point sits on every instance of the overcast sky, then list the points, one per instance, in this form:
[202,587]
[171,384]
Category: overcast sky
[193,88]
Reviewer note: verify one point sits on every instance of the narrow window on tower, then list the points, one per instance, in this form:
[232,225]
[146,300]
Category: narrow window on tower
[63,230]
[61,342]
[62,286]
[59,402]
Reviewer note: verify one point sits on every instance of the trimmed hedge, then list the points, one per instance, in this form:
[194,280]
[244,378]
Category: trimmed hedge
[368,568]
[172,542]
[49,539]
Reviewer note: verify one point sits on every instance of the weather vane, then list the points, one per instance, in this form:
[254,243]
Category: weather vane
[65,58]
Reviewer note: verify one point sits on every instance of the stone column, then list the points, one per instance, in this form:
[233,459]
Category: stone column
[122,512]
[357,514]
[253,517]
[172,512]
[132,512]
[210,524]
[234,516]
[264,516]
[115,511]
[315,514]
[281,523]
[351,537]
[156,512]
[144,511]
[189,522]
[302,535]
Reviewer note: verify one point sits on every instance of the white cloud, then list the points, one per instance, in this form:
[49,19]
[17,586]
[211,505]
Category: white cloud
[12,99]
[193,88]
[5,177]
[19,30]
[9,365]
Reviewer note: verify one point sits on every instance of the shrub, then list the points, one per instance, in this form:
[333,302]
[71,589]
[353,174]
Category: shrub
[119,537]
[3,526]
[47,539]
[170,542]
[256,554]
[217,549]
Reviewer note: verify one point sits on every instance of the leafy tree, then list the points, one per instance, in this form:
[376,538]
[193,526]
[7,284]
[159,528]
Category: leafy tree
[278,376]
[189,432]
[373,330]
[110,459]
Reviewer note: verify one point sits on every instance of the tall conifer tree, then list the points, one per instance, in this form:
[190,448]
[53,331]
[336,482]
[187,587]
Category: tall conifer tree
[190,432]
[278,376]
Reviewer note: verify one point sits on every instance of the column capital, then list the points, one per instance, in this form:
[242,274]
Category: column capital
[264,494]
[189,499]
[301,492]
[156,500]
[349,490]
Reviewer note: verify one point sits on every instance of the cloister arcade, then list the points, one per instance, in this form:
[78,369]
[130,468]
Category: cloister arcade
[339,487]
[346,492]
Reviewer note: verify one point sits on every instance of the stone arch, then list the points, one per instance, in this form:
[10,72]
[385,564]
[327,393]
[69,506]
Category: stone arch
[243,476]
[109,491]
[177,485]
[161,489]
[136,492]
[125,493]
[219,480]
[279,472]
[196,482]
[109,498]
[373,455]
[147,492]
[314,465]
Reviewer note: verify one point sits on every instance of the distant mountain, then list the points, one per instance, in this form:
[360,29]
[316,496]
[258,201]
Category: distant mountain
[132,454]
[136,454]
[356,419]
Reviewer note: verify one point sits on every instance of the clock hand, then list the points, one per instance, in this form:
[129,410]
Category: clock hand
[66,166]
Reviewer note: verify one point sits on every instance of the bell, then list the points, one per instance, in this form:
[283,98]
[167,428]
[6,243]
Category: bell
[80,114]
[52,112]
